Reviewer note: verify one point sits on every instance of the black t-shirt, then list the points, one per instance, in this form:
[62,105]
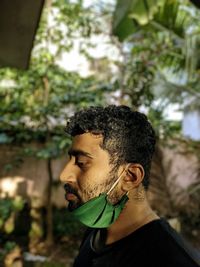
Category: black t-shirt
[155,244]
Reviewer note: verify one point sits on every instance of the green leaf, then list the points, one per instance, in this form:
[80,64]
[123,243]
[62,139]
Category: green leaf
[64,143]
[44,154]
[4,139]
[144,10]
[122,24]
[129,13]
[18,203]
[126,27]
[9,245]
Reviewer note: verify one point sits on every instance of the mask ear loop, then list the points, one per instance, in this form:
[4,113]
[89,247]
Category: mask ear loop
[116,182]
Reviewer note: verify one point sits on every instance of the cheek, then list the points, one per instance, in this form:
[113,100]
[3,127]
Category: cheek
[92,181]
[87,179]
[115,196]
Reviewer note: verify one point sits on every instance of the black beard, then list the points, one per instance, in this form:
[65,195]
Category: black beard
[114,197]
[72,203]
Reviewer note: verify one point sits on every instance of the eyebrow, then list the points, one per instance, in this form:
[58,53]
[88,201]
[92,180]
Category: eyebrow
[79,152]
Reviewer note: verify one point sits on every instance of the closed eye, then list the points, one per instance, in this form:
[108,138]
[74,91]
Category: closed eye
[80,162]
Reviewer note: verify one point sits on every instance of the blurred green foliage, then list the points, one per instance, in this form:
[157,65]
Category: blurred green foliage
[8,246]
[8,206]
[163,37]
[37,102]
[65,225]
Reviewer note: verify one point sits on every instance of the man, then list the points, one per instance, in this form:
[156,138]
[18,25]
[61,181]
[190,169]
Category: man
[106,179]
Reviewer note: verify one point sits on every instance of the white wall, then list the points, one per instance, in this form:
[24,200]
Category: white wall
[191,124]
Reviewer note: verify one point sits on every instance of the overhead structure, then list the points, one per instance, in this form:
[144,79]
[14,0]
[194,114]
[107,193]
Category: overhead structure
[196,3]
[19,21]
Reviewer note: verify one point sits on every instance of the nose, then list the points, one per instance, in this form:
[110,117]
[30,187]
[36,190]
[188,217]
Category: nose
[68,175]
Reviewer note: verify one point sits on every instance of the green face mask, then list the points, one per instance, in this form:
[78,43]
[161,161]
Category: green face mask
[98,212]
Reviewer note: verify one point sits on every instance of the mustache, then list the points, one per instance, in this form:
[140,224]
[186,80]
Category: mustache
[69,189]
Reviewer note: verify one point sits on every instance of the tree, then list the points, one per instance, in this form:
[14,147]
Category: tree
[170,32]
[37,102]
[163,36]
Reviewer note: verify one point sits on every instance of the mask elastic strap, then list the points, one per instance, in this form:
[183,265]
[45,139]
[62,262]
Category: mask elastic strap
[116,182]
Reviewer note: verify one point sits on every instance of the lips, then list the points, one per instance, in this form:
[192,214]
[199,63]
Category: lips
[70,196]
[70,193]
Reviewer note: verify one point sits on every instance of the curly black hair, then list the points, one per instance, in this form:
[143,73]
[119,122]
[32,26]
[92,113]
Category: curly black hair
[127,135]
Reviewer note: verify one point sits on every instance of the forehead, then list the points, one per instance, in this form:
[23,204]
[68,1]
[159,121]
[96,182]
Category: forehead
[89,143]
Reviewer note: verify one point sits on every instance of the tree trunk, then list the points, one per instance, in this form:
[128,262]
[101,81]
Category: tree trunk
[49,216]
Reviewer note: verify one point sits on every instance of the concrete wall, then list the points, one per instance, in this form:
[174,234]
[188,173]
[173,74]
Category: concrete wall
[30,178]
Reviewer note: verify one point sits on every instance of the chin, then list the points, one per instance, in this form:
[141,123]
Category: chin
[73,205]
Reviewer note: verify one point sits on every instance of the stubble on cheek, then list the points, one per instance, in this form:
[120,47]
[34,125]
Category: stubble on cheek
[115,195]
[90,192]
[94,191]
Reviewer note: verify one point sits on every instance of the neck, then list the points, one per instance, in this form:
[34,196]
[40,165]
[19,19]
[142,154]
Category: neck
[135,214]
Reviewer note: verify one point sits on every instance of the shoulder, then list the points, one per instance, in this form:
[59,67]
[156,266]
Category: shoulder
[174,248]
[159,244]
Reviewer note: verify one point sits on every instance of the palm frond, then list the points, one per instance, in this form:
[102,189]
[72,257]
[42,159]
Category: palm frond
[172,18]
[192,55]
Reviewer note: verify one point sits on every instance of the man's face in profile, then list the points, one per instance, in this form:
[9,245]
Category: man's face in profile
[88,172]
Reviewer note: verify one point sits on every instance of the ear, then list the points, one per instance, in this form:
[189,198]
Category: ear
[133,177]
